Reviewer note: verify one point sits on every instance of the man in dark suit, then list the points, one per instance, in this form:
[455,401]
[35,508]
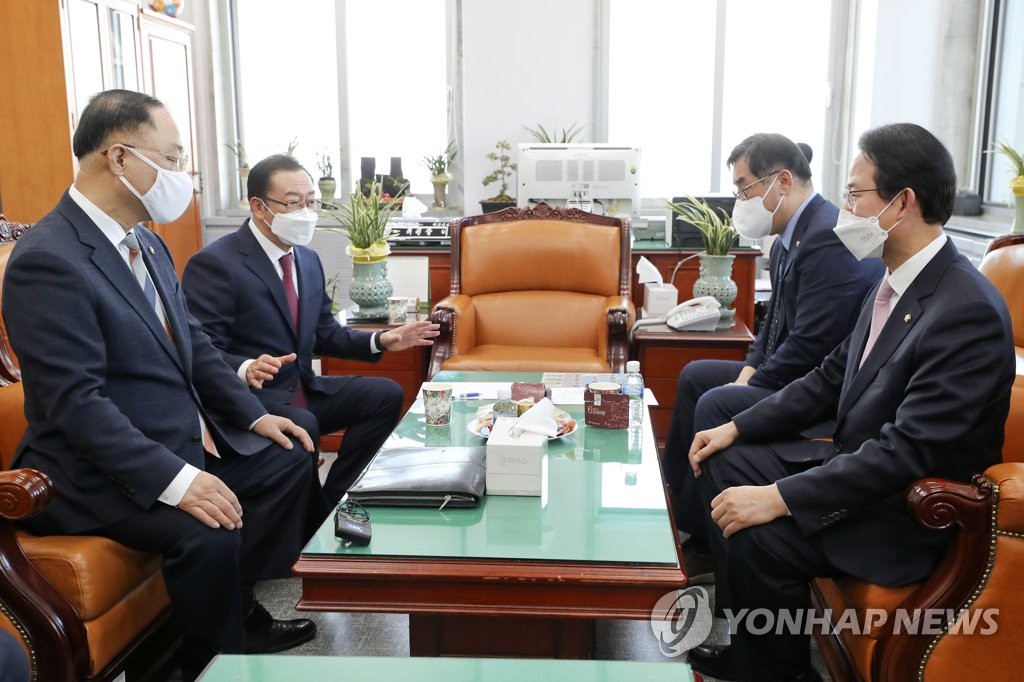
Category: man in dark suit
[921,387]
[145,432]
[237,288]
[817,289]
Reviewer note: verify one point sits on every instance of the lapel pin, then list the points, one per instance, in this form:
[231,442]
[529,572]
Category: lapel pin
[906,318]
[151,251]
[798,243]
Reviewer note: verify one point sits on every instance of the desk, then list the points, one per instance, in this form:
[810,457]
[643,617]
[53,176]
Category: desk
[663,354]
[516,576]
[394,669]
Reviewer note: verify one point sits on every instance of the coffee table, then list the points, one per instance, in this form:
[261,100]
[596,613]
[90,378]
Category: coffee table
[516,576]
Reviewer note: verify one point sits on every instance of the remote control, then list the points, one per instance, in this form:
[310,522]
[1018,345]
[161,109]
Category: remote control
[352,526]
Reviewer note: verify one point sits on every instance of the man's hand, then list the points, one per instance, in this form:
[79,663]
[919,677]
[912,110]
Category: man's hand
[265,368]
[744,376]
[212,502]
[277,429]
[747,505]
[707,443]
[419,333]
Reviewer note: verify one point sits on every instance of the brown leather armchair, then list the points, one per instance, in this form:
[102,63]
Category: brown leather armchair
[537,290]
[85,608]
[982,565]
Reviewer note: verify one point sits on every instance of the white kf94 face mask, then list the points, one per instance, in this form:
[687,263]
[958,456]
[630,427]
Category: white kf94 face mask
[863,237]
[169,196]
[295,229]
[751,218]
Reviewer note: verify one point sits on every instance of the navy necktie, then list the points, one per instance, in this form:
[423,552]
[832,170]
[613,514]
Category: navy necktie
[775,325]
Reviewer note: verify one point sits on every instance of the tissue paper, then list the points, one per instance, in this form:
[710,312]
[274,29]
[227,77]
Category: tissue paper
[659,298]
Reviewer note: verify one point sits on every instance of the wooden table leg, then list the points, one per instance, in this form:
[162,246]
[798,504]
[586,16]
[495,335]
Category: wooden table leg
[504,636]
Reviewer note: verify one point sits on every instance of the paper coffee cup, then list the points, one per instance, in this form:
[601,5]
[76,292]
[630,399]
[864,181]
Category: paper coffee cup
[437,403]
[604,387]
[397,309]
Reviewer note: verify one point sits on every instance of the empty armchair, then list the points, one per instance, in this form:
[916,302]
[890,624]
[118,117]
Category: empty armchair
[542,289]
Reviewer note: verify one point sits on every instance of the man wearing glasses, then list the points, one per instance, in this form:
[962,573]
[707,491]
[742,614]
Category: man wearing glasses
[260,295]
[147,435]
[817,288]
[920,388]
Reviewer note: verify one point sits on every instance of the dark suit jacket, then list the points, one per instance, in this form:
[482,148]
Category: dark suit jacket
[930,400]
[234,290]
[113,404]
[821,291]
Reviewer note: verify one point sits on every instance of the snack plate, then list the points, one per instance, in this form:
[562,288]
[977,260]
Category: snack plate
[475,425]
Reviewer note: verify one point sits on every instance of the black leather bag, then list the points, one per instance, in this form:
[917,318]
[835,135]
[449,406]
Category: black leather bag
[423,477]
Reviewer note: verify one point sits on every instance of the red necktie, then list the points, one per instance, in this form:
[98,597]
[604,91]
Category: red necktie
[879,314]
[288,280]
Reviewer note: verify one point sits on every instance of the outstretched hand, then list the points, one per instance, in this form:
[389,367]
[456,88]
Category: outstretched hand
[211,501]
[265,368]
[420,333]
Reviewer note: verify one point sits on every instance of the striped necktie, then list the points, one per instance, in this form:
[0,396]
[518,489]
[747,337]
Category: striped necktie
[139,268]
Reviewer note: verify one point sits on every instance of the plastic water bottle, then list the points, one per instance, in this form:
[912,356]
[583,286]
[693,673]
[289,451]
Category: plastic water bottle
[634,388]
[504,407]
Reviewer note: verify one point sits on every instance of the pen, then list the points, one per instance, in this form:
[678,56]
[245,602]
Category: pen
[467,396]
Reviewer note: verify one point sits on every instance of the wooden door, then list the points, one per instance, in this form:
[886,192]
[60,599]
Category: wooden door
[167,66]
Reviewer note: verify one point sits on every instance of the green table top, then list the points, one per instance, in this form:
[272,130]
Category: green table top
[380,669]
[604,500]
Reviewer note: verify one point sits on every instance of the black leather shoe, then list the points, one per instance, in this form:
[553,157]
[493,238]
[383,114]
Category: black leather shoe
[264,635]
[719,662]
[714,661]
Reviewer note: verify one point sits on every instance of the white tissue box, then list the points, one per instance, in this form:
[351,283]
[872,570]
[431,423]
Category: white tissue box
[515,466]
[660,298]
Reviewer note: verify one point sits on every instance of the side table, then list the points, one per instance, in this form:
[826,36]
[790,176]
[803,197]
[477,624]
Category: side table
[407,367]
[663,352]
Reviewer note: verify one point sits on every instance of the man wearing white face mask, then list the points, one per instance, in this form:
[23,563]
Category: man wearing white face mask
[817,288]
[920,388]
[147,435]
[260,295]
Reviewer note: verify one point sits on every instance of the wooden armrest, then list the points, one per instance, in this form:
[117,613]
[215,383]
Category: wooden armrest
[940,504]
[454,314]
[615,345]
[59,649]
[23,493]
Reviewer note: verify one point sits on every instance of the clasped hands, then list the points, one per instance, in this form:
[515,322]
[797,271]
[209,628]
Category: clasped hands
[738,507]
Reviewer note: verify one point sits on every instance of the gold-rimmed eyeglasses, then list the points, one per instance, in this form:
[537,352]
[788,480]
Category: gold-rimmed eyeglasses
[180,161]
[741,193]
[850,195]
[296,205]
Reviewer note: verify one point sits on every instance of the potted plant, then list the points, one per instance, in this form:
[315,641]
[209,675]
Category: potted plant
[1016,183]
[243,170]
[327,184]
[719,235]
[439,177]
[500,175]
[365,222]
[567,136]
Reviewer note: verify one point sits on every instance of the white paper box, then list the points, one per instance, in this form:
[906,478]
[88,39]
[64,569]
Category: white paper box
[660,298]
[515,466]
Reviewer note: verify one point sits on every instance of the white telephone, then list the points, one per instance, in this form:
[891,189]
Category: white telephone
[696,315]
